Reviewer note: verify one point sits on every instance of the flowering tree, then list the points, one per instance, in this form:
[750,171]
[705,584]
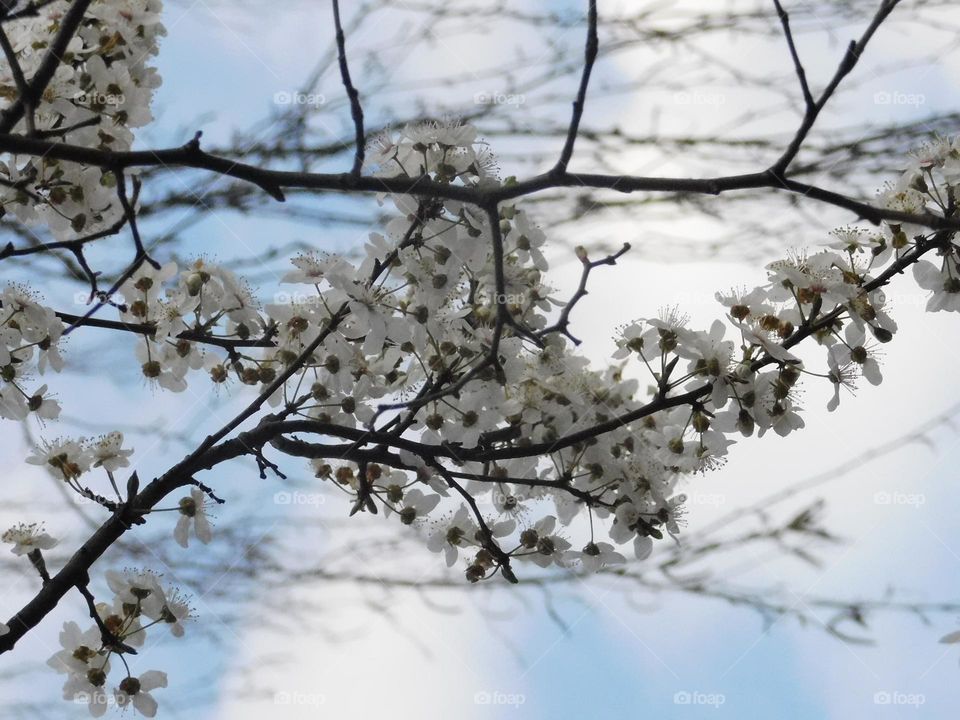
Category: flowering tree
[437,380]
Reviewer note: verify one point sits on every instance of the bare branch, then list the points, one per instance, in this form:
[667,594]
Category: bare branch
[590,57]
[851,56]
[356,110]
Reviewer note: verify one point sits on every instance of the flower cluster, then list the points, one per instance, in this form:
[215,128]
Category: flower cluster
[140,601]
[30,338]
[432,306]
[490,433]
[446,395]
[69,460]
[100,92]
[205,297]
[539,394]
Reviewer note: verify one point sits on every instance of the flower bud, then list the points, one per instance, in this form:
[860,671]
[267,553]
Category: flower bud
[332,364]
[195,283]
[529,538]
[770,323]
[138,308]
[701,423]
[546,546]
[668,340]
[475,573]
[151,369]
[130,686]
[218,373]
[96,677]
[297,324]
[881,334]
[187,506]
[484,558]
[790,375]
[780,388]
[266,375]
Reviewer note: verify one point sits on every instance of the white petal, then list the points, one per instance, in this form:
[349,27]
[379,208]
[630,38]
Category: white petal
[152,679]
[145,703]
[871,371]
[202,528]
[643,546]
[181,531]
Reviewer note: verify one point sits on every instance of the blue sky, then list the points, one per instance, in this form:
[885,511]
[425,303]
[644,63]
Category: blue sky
[222,69]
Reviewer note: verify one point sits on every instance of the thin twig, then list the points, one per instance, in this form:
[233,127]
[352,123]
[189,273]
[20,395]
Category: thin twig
[356,110]
[590,57]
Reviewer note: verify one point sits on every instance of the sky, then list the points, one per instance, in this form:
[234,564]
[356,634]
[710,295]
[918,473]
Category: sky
[671,655]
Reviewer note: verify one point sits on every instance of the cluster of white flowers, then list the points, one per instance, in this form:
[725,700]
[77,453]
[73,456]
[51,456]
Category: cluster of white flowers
[441,336]
[424,304]
[100,92]
[30,337]
[68,459]
[542,394]
[140,602]
[204,298]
